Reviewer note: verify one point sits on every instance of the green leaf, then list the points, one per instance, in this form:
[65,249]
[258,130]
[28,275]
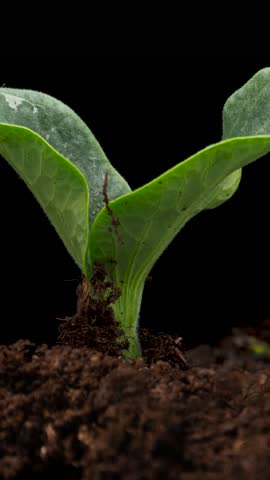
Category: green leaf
[58,185]
[151,216]
[73,145]
[226,189]
[247,111]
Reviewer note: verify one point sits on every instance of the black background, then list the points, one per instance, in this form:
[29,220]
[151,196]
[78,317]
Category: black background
[148,113]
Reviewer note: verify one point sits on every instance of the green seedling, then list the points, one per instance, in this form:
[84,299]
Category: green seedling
[100,220]
[260,348]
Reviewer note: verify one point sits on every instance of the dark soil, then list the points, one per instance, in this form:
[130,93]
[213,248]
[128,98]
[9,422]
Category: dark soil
[77,412]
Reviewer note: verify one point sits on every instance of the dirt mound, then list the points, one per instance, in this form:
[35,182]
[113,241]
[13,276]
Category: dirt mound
[80,414]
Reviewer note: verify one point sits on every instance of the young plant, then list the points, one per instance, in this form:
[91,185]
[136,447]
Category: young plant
[100,220]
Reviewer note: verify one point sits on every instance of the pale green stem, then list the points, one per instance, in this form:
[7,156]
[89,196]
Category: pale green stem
[126,312]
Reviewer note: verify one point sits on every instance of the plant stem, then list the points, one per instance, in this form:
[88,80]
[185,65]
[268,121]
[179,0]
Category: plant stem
[126,311]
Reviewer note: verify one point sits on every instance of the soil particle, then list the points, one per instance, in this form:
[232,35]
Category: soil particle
[81,414]
[93,324]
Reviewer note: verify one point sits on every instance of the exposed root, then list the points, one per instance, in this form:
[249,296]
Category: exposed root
[93,324]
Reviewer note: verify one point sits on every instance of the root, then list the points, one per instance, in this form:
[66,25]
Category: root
[93,324]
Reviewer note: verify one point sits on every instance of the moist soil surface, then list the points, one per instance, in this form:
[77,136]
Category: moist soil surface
[77,410]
